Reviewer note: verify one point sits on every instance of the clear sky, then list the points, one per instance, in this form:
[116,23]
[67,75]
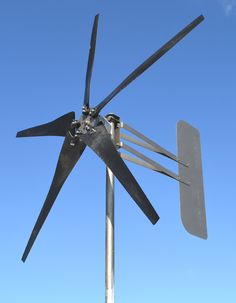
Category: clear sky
[43,57]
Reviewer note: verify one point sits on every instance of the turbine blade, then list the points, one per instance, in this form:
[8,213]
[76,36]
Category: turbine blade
[58,127]
[100,142]
[69,155]
[146,64]
[90,62]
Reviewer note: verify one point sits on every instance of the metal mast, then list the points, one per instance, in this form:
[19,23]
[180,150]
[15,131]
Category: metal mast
[110,247]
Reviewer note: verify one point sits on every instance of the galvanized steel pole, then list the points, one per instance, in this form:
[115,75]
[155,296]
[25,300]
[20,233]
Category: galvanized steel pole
[110,228]
[114,131]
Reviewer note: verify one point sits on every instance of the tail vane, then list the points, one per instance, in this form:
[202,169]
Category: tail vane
[192,201]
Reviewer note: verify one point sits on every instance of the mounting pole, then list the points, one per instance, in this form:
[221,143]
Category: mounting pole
[113,120]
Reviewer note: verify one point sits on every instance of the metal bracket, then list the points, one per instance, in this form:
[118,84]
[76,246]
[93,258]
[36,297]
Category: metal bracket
[150,145]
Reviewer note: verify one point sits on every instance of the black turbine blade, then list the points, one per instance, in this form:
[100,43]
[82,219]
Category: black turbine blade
[146,64]
[69,155]
[100,142]
[90,62]
[58,127]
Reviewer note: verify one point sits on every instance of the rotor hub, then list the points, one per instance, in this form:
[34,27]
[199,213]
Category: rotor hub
[85,125]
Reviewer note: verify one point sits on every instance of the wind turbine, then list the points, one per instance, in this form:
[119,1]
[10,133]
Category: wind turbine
[103,135]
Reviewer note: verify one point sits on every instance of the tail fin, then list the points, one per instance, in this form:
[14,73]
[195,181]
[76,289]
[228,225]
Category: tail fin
[192,202]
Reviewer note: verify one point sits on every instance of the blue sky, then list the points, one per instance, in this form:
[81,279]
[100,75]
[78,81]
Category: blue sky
[43,58]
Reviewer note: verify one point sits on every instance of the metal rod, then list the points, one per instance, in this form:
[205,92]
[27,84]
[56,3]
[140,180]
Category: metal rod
[137,142]
[137,161]
[155,147]
[110,229]
[161,169]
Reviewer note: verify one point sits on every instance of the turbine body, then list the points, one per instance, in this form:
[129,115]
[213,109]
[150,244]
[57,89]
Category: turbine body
[93,130]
